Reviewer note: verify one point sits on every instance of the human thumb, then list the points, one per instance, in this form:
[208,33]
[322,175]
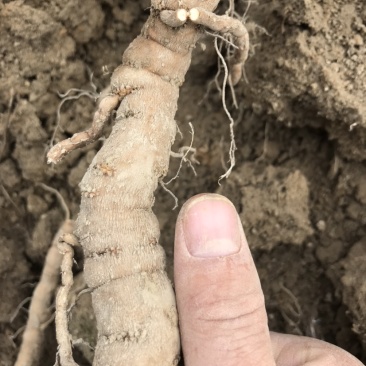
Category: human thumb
[220,301]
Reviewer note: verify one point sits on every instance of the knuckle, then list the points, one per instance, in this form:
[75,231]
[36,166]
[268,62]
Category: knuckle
[230,311]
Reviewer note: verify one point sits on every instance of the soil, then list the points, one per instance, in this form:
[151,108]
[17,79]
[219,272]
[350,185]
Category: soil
[300,127]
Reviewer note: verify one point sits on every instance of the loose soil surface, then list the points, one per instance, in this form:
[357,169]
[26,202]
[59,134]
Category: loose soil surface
[300,128]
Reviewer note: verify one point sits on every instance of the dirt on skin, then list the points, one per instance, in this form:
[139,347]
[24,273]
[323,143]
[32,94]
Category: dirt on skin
[299,183]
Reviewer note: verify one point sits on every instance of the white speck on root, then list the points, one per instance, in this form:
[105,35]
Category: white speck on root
[182,15]
[194,14]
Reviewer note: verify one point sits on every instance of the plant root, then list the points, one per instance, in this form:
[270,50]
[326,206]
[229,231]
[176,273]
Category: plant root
[60,199]
[232,123]
[133,328]
[183,155]
[163,185]
[39,310]
[291,311]
[64,339]
[67,97]
[106,106]
[225,24]
[20,306]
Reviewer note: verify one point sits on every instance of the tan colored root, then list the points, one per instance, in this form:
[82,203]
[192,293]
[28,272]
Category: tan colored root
[74,299]
[16,334]
[213,81]
[19,307]
[174,18]
[232,123]
[231,8]
[60,199]
[225,24]
[222,90]
[40,313]
[163,185]
[225,40]
[106,106]
[68,97]
[183,155]
[40,308]
[231,85]
[231,28]
[291,310]
[139,325]
[63,336]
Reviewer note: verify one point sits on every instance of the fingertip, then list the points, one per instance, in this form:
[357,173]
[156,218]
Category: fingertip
[210,226]
[219,297]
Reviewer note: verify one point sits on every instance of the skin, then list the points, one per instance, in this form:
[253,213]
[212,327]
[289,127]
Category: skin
[221,307]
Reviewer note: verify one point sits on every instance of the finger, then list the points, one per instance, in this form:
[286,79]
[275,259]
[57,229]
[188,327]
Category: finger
[292,350]
[220,301]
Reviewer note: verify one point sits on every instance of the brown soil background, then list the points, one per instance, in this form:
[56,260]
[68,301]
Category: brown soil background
[299,183]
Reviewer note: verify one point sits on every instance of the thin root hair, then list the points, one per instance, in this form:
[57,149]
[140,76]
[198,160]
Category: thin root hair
[231,9]
[249,3]
[48,322]
[222,155]
[66,97]
[64,338]
[163,185]
[81,341]
[17,333]
[223,95]
[179,132]
[59,197]
[222,38]
[77,298]
[297,311]
[16,312]
[183,153]
[215,80]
